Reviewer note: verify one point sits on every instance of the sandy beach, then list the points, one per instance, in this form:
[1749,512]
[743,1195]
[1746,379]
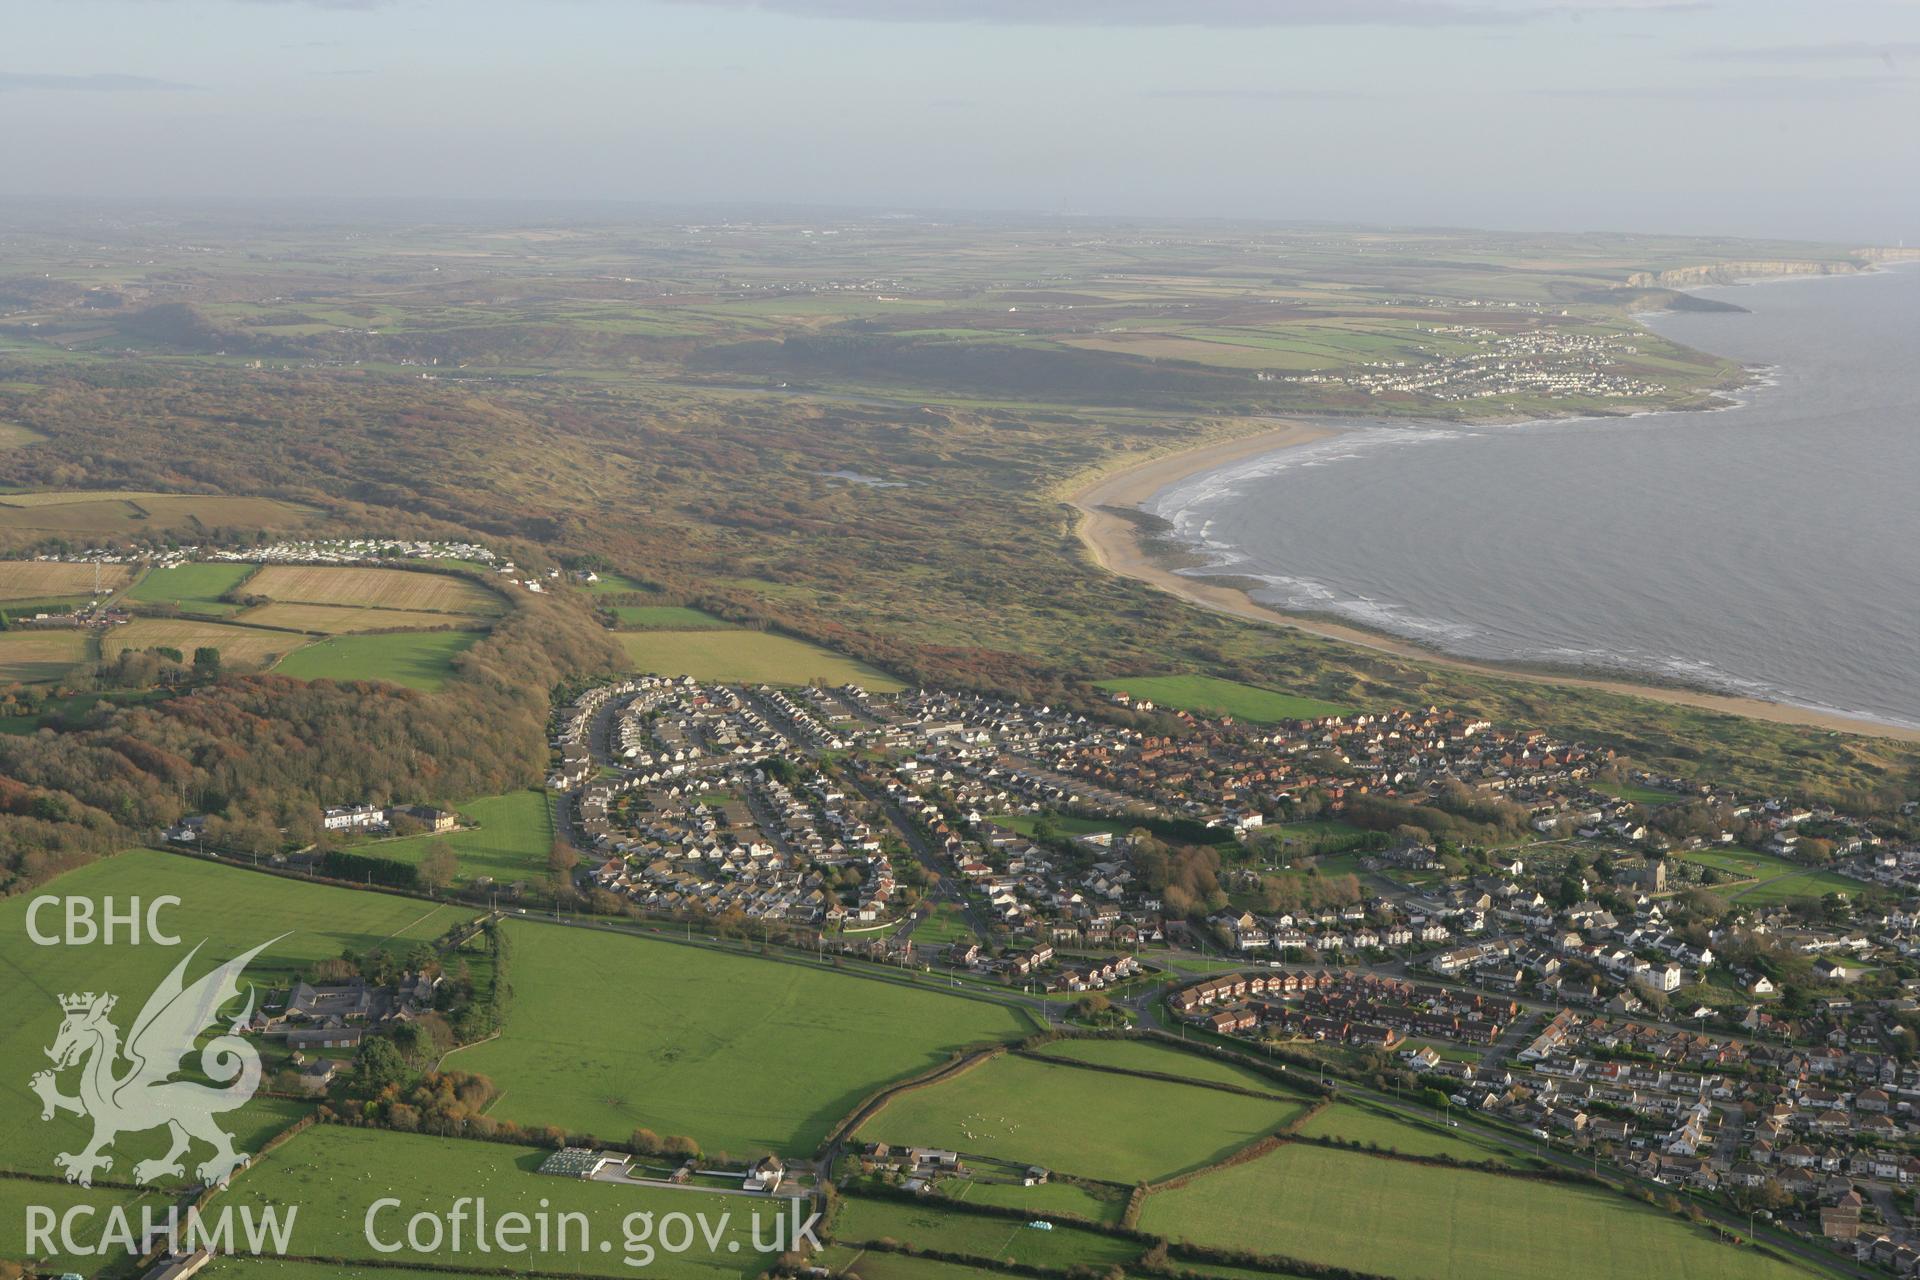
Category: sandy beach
[1114,544]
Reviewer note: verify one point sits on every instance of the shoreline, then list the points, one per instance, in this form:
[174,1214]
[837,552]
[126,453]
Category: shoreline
[1113,544]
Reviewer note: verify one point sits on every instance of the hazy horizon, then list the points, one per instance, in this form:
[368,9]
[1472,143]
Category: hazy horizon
[1766,119]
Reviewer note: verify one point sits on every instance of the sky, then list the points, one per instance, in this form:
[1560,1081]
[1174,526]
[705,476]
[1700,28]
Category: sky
[1789,118]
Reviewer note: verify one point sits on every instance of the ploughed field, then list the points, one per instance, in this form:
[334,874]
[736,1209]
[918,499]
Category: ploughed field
[374,588]
[353,623]
[56,580]
[29,517]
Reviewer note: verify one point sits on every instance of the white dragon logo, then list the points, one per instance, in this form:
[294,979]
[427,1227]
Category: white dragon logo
[144,1096]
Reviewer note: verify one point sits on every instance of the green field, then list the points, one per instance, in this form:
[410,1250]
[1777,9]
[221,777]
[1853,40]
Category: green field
[1210,695]
[332,1175]
[1049,1198]
[231,909]
[932,1225]
[666,617]
[419,659]
[17,1194]
[510,841]
[614,584]
[1093,1124]
[872,1264]
[609,1033]
[243,1268]
[748,657]
[1807,884]
[1350,1123]
[192,588]
[1651,797]
[1779,879]
[1149,1055]
[32,657]
[1394,1217]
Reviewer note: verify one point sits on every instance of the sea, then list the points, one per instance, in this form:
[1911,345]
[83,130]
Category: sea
[1769,549]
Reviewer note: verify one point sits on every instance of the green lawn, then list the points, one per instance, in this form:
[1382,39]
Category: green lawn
[931,1225]
[666,617]
[1150,1055]
[1091,1124]
[510,841]
[1350,1123]
[1211,695]
[193,588]
[1026,823]
[333,1174]
[418,659]
[1807,884]
[608,1033]
[748,657]
[232,910]
[947,925]
[1393,1217]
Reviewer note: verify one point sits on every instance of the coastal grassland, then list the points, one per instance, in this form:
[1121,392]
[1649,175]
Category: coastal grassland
[237,644]
[223,910]
[1395,1217]
[1091,1124]
[1107,1204]
[951,1229]
[609,1033]
[666,617]
[1212,696]
[333,1175]
[1347,1122]
[1163,1059]
[39,656]
[17,1194]
[361,587]
[53,579]
[749,657]
[509,839]
[417,659]
[329,619]
[194,587]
